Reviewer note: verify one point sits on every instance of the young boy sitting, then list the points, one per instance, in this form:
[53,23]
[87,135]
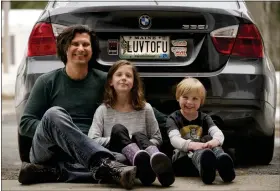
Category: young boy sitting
[195,137]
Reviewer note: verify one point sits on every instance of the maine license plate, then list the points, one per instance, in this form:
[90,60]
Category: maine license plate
[144,47]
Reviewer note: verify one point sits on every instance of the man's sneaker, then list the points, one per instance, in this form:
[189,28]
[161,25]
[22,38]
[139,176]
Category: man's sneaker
[34,173]
[107,170]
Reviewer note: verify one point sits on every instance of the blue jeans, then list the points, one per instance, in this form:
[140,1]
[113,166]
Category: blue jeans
[59,142]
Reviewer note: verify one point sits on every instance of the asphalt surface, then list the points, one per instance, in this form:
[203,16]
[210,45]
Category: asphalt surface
[11,162]
[246,182]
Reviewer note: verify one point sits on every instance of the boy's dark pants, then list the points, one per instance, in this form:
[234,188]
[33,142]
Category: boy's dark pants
[185,166]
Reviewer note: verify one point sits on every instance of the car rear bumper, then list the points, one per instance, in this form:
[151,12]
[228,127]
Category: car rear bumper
[250,121]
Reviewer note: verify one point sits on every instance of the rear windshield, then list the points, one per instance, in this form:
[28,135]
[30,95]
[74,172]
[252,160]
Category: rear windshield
[203,4]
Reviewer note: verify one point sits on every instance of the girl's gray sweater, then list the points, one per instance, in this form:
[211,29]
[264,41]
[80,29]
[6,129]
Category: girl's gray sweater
[135,121]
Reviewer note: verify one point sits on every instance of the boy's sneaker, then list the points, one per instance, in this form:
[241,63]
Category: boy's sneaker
[225,167]
[205,162]
[109,170]
[35,173]
[208,167]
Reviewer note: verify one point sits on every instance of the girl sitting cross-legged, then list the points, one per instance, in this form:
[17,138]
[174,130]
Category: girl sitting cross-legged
[126,123]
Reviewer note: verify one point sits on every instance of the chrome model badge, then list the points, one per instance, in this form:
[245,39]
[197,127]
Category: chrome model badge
[145,22]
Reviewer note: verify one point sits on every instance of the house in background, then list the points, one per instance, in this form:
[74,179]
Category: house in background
[21,22]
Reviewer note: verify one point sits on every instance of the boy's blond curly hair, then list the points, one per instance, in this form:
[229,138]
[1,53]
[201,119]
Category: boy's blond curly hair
[188,85]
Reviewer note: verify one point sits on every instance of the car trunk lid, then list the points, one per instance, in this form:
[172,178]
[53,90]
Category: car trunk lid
[178,39]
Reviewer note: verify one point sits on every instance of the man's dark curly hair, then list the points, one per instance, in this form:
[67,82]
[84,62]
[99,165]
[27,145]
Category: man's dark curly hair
[65,38]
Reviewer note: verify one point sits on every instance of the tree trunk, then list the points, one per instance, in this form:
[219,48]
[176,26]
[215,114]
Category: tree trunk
[266,17]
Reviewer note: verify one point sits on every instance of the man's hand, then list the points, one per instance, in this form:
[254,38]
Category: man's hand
[211,144]
[195,146]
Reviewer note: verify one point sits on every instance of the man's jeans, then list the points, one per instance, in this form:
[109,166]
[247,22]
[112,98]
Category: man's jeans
[59,142]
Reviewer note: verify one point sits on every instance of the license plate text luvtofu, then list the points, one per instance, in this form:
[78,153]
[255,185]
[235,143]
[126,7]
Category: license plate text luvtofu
[147,46]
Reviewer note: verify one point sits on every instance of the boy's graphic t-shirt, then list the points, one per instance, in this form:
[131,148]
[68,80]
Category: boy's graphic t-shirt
[194,129]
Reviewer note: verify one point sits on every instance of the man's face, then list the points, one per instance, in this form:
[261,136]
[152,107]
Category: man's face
[79,51]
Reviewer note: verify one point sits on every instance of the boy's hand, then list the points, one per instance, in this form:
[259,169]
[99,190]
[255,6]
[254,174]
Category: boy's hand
[211,144]
[195,146]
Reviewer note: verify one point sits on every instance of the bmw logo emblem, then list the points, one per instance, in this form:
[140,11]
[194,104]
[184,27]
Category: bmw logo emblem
[145,22]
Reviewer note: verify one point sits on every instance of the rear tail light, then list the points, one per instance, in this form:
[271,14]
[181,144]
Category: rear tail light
[243,41]
[224,38]
[42,40]
[248,42]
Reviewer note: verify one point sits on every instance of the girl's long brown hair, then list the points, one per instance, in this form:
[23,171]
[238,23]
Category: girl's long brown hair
[137,93]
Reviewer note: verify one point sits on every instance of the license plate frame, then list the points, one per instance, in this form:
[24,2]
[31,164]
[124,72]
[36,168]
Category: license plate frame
[145,47]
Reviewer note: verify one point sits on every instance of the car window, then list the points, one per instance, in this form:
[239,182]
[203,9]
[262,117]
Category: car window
[205,4]
[224,4]
[60,3]
[75,3]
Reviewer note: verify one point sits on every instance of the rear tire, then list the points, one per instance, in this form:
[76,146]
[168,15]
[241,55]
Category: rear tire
[24,145]
[257,150]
